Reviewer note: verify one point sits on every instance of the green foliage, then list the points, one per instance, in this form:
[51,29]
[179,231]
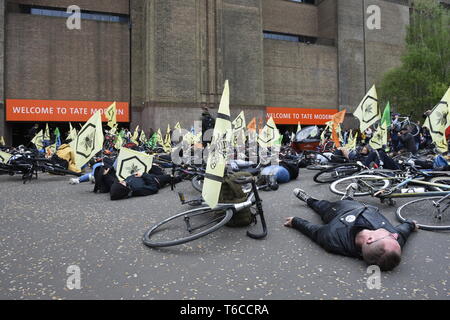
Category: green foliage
[424,76]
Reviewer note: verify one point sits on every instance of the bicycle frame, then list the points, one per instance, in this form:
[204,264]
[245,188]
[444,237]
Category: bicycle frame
[253,198]
[380,194]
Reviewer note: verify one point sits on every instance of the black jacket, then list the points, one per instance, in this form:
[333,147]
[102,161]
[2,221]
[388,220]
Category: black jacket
[409,142]
[338,236]
[143,186]
[104,182]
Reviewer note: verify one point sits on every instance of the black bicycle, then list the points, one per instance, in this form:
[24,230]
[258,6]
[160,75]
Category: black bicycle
[196,223]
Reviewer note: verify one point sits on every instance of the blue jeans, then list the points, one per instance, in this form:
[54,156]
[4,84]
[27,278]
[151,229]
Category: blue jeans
[85,178]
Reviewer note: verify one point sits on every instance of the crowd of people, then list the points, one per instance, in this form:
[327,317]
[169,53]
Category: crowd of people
[350,228]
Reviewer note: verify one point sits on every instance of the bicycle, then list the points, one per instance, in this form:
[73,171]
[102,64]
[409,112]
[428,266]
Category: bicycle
[196,223]
[431,213]
[337,172]
[387,187]
[404,121]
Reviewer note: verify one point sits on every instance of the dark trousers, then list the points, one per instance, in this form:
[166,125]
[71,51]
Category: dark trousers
[323,209]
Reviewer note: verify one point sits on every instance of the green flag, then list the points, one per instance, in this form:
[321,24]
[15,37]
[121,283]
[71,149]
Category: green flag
[386,118]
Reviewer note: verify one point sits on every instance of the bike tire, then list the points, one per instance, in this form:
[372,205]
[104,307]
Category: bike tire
[415,130]
[441,180]
[221,217]
[422,210]
[197,183]
[336,173]
[339,186]
[318,166]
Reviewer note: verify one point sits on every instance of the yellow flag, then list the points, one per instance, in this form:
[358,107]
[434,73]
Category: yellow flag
[239,127]
[119,142]
[269,135]
[351,142]
[218,155]
[178,126]
[89,140]
[135,135]
[379,138]
[130,162]
[159,138]
[239,122]
[299,127]
[142,137]
[72,133]
[368,111]
[4,157]
[111,115]
[324,132]
[46,133]
[438,121]
[2,141]
[167,146]
[37,140]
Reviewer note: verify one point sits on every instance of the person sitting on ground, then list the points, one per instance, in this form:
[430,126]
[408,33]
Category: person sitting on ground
[380,158]
[141,184]
[407,140]
[354,229]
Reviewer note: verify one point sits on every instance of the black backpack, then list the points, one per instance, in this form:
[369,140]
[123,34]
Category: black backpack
[231,192]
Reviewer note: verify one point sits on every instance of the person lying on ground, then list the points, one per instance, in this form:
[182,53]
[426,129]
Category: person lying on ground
[66,153]
[107,163]
[141,184]
[354,229]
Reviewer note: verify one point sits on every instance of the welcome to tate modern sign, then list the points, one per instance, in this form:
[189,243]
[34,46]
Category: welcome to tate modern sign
[61,110]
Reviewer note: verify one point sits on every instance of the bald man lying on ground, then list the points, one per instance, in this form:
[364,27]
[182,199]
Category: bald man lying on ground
[354,229]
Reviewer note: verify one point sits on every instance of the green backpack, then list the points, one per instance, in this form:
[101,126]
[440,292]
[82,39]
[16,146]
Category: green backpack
[231,192]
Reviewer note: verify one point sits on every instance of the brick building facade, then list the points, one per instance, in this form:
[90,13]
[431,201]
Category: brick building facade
[167,58]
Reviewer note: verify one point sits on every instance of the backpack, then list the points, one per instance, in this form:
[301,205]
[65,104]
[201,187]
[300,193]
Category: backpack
[439,162]
[231,192]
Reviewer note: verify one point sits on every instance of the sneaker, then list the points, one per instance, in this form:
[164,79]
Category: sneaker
[301,195]
[74,181]
[350,191]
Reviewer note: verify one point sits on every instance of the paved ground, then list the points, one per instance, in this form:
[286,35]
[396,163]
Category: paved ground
[49,225]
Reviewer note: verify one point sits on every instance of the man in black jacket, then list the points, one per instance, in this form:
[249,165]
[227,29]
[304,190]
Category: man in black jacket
[354,229]
[408,141]
[141,184]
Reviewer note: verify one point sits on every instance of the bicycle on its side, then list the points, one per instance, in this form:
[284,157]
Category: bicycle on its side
[196,223]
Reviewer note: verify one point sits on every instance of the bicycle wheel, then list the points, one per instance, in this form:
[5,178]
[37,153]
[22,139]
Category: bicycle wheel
[441,180]
[366,184]
[197,183]
[415,130]
[318,166]
[336,173]
[186,226]
[427,213]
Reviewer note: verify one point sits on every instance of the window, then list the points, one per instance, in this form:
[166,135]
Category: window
[289,37]
[86,15]
[304,1]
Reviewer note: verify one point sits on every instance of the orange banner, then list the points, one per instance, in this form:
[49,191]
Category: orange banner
[61,110]
[296,115]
